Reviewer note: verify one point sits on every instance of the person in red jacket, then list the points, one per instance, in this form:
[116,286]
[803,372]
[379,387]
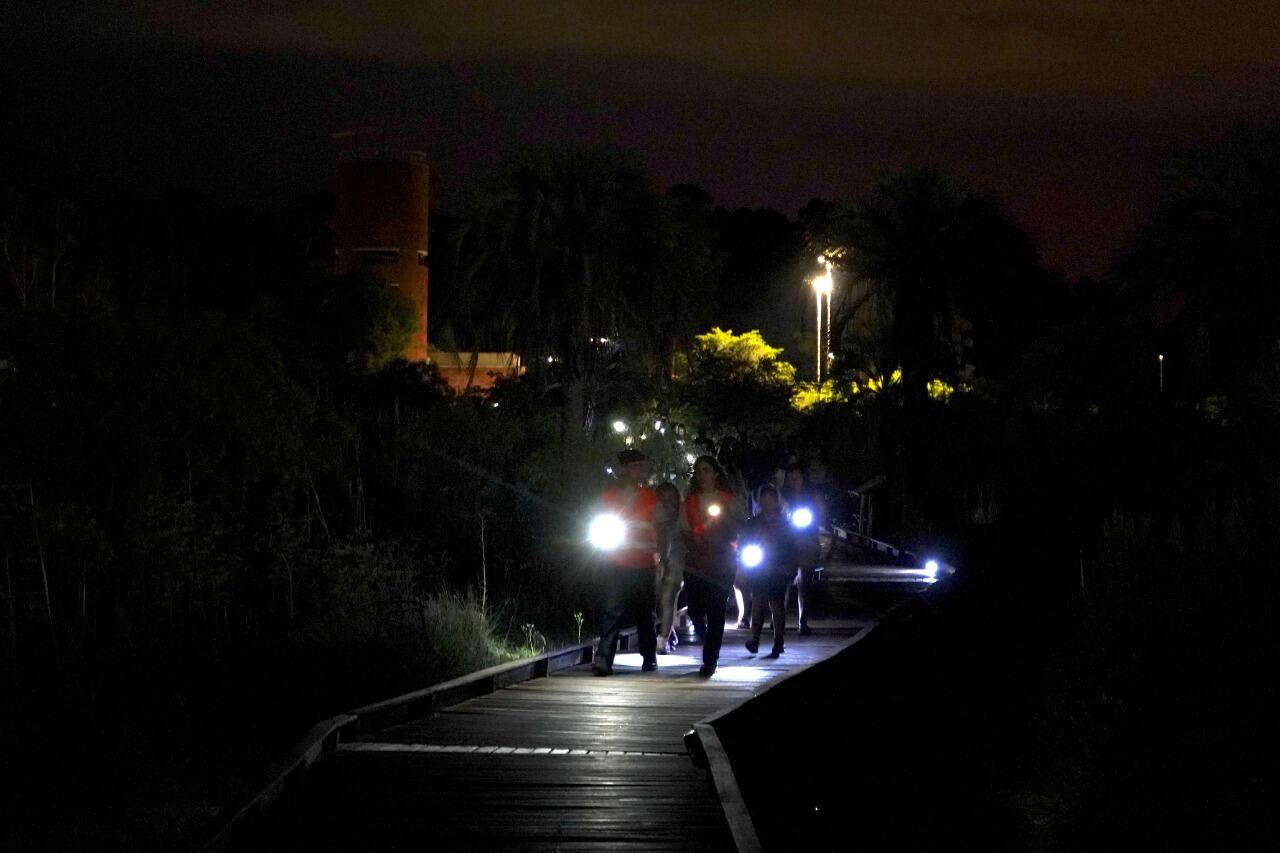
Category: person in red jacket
[709,524]
[628,562]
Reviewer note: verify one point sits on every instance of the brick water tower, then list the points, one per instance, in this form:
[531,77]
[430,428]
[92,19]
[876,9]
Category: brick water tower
[380,220]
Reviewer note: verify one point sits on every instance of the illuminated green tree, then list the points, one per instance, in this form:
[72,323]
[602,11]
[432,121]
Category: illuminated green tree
[735,385]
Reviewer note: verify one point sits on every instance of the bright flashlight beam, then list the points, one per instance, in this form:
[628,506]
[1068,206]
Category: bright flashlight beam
[714,510]
[606,531]
[752,555]
[801,518]
[931,568]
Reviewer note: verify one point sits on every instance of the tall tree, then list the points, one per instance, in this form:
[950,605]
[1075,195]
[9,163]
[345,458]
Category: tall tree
[556,257]
[951,280]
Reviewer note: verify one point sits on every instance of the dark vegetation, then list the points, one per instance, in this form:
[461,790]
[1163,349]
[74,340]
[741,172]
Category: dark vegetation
[227,509]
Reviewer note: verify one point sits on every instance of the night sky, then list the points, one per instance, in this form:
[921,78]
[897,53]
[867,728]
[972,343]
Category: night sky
[1061,111]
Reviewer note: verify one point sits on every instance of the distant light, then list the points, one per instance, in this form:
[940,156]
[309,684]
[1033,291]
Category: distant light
[606,531]
[495,405]
[714,510]
[608,470]
[931,568]
[630,441]
[752,555]
[657,424]
[604,340]
[551,359]
[619,426]
[643,436]
[801,517]
[690,458]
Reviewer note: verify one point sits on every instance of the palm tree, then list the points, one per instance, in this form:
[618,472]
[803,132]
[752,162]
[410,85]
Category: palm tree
[950,281]
[555,263]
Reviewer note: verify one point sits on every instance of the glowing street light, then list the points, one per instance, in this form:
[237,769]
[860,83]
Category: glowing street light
[823,284]
[619,426]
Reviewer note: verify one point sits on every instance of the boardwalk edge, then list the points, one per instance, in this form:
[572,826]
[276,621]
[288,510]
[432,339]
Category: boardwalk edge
[324,737]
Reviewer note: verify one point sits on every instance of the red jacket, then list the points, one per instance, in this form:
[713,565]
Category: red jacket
[709,541]
[640,548]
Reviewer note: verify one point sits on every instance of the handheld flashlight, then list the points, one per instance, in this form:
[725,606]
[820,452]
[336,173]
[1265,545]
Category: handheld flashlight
[606,531]
[801,517]
[752,555]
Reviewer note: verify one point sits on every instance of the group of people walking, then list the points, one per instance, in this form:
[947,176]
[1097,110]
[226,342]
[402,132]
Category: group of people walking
[710,543]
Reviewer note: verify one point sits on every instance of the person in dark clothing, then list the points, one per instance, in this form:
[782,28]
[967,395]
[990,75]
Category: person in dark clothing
[628,545]
[797,495]
[709,524]
[769,553]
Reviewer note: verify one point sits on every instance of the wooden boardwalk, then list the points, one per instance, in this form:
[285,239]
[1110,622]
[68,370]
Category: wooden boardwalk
[569,762]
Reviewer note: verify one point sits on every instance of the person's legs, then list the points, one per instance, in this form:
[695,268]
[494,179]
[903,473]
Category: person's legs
[778,608]
[695,595]
[757,621]
[613,606]
[668,591]
[640,613]
[804,588]
[717,604]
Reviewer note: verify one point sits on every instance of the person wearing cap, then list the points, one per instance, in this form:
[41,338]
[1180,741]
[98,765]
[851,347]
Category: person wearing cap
[628,579]
[709,524]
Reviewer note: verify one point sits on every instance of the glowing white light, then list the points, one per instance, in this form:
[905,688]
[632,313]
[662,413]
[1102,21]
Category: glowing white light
[689,457]
[657,424]
[714,510]
[643,436]
[822,283]
[606,531]
[752,555]
[619,426]
[630,441]
[931,568]
[801,517]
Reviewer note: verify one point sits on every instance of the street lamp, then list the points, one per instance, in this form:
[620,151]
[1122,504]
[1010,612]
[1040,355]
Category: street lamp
[822,286]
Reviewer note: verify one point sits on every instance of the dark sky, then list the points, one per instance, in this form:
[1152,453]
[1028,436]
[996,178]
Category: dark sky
[1062,111]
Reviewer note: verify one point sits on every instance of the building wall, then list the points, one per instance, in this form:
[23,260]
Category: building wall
[478,371]
[380,224]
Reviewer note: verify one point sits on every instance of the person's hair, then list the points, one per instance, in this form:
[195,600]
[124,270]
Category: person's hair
[715,466]
[804,476]
[667,486]
[770,488]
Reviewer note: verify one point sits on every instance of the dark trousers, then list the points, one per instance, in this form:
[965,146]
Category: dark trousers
[773,591]
[708,602]
[627,599]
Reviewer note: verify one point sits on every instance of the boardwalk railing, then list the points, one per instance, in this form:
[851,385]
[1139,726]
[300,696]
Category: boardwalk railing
[708,750]
[325,737]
